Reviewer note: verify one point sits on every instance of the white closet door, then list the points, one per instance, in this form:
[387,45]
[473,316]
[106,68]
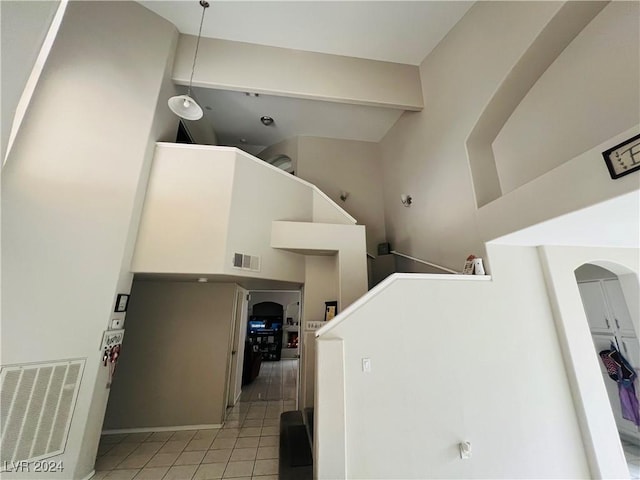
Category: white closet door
[630,348]
[595,307]
[618,305]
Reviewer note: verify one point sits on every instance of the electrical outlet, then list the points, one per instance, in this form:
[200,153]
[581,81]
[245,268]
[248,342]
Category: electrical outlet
[117,323]
[366,365]
[465,450]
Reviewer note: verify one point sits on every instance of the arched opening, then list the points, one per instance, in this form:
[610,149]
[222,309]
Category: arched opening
[609,295]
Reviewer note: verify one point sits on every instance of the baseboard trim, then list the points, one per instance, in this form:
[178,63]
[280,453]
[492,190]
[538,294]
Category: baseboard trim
[91,474]
[175,428]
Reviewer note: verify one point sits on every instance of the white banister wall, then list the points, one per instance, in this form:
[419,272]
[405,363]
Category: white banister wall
[205,203]
[453,358]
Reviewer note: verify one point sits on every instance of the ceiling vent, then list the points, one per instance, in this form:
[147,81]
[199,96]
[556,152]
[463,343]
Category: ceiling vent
[36,406]
[246,262]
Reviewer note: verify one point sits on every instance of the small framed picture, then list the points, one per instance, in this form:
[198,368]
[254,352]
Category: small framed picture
[330,310]
[624,158]
[121,302]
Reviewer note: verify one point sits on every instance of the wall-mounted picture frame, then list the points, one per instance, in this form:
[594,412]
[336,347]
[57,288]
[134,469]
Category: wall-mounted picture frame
[122,302]
[624,158]
[330,310]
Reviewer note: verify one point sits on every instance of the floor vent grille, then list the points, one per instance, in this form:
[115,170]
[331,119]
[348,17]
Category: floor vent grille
[36,406]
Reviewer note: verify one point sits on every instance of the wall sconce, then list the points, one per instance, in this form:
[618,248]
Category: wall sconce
[344,195]
[406,200]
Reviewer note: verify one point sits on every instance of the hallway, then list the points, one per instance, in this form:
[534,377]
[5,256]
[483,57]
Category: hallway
[277,381]
[245,448]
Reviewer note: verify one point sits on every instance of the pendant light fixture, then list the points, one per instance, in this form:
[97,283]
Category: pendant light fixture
[183,105]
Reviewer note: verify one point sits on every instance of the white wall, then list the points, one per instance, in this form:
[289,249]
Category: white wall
[488,370]
[71,191]
[320,286]
[592,404]
[261,194]
[346,241]
[589,94]
[185,219]
[425,154]
[343,165]
[24,27]
[581,182]
[173,328]
[335,165]
[206,203]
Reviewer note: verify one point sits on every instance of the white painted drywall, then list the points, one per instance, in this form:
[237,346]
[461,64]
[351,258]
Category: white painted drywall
[71,192]
[320,287]
[600,434]
[175,354]
[589,94]
[334,166]
[185,218]
[348,241]
[261,194]
[24,27]
[248,67]
[454,359]
[424,154]
[343,165]
[575,185]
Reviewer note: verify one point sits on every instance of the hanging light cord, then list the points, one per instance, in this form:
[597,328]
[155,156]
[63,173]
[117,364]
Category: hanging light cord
[205,5]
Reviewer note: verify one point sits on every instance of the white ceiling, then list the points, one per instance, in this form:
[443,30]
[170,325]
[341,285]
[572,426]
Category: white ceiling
[236,116]
[394,31]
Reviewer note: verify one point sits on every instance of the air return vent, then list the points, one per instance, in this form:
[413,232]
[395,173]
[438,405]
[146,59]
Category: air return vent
[36,406]
[246,262]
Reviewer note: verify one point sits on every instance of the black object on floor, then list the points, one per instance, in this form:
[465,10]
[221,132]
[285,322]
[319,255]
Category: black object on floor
[296,460]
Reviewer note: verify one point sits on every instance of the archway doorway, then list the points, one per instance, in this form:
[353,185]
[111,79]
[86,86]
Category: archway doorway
[611,307]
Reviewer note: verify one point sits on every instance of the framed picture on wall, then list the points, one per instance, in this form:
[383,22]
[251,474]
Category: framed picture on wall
[122,302]
[330,310]
[624,158]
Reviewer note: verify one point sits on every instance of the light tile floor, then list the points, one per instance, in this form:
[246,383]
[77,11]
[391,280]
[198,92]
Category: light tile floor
[632,453]
[246,448]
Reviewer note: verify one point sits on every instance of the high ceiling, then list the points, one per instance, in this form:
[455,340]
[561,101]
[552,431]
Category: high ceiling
[394,31]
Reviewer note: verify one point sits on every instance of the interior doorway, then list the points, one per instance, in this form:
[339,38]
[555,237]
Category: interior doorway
[611,307]
[272,333]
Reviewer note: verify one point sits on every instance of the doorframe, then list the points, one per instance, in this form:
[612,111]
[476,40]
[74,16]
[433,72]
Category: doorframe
[599,432]
[236,344]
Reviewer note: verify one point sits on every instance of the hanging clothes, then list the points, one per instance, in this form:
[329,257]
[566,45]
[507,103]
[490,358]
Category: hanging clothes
[620,370]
